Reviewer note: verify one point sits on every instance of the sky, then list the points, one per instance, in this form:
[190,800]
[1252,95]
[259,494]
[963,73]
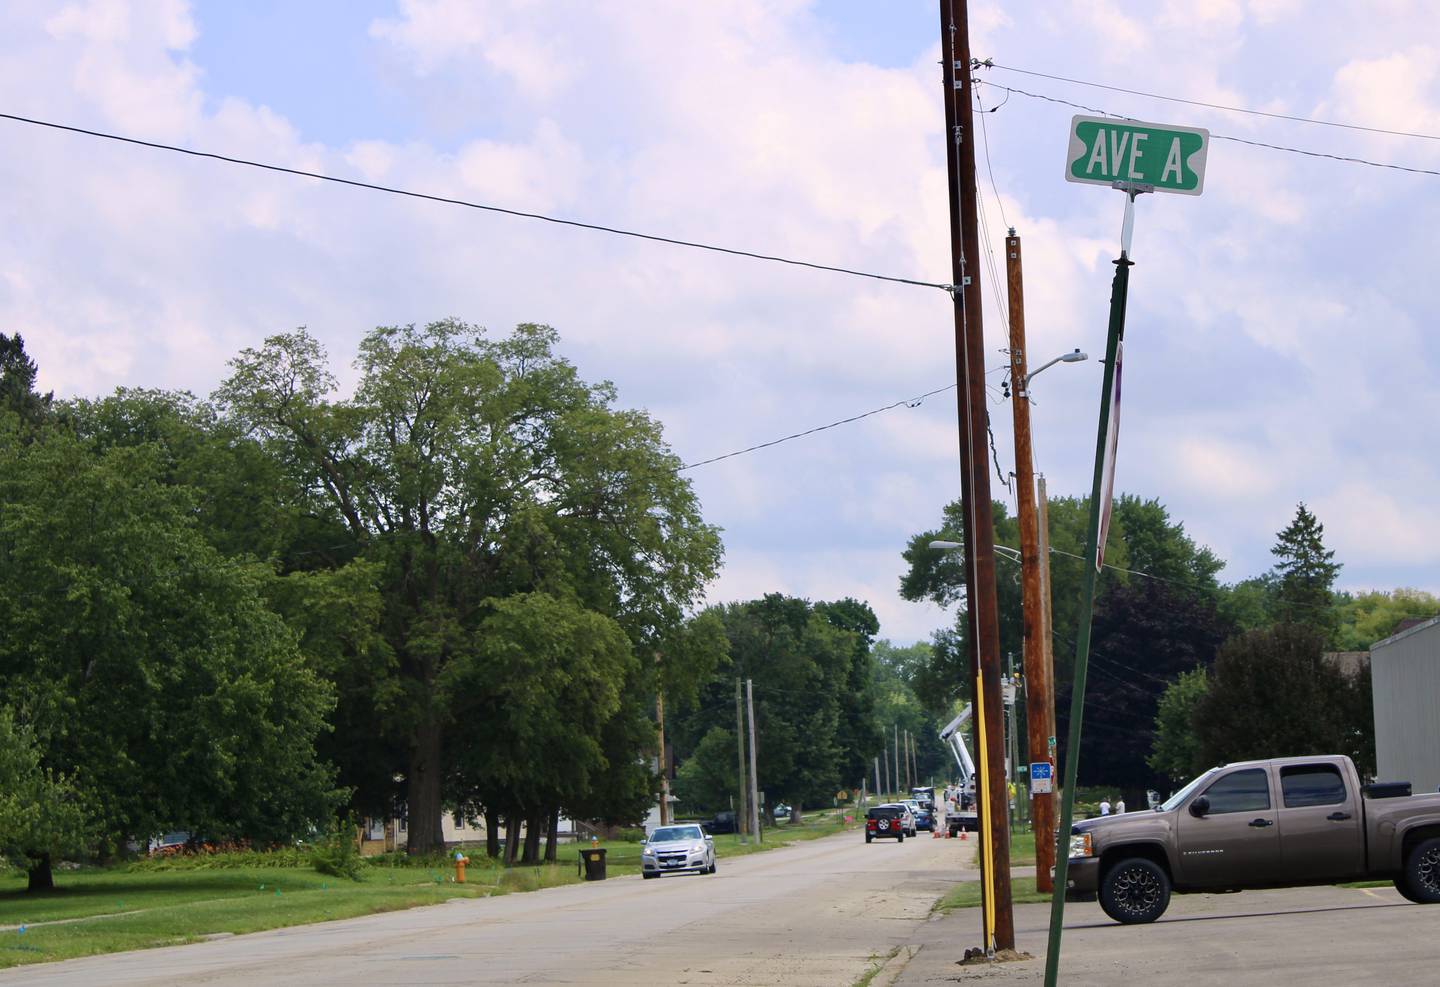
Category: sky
[1279,345]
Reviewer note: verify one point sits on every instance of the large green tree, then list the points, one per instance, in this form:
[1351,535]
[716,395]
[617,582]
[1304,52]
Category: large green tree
[470,470]
[1175,750]
[1272,694]
[152,670]
[42,816]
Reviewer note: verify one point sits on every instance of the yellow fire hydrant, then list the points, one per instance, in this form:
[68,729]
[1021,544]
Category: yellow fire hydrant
[460,861]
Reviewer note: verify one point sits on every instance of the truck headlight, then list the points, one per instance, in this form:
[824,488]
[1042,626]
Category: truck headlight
[1080,846]
[647,852]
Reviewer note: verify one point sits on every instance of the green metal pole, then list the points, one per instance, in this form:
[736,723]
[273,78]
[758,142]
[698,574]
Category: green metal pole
[1118,290]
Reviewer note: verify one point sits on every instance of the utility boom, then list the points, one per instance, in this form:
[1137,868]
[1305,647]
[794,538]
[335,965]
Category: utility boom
[950,736]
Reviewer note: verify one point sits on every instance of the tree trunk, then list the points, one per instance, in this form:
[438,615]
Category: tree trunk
[533,823]
[552,835]
[512,837]
[41,878]
[423,791]
[492,833]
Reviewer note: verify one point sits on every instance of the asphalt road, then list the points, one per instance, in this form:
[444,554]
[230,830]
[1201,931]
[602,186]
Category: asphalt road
[818,913]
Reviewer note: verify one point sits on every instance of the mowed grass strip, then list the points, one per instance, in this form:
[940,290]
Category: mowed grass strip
[94,910]
[967,894]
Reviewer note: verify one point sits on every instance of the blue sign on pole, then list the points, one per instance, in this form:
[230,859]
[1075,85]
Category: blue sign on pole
[1041,777]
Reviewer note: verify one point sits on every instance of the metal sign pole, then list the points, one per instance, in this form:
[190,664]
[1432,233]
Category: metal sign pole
[1103,449]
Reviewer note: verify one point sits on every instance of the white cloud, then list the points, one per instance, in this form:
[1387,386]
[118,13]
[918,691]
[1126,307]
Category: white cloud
[1269,359]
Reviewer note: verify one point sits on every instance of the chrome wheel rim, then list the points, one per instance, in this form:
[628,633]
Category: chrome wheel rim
[1428,873]
[1136,891]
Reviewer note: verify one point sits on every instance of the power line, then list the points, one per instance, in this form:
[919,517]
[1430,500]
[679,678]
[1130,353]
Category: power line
[907,402]
[1348,159]
[985,144]
[992,64]
[447,200]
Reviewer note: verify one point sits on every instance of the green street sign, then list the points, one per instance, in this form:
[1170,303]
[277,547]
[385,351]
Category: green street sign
[1106,151]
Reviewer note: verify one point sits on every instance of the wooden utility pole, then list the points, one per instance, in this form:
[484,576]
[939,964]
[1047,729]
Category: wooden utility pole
[1047,633]
[754,777]
[898,776]
[981,612]
[742,825]
[1038,698]
[664,762]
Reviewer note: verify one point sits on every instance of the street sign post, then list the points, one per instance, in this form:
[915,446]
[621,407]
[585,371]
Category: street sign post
[1134,158]
[1157,157]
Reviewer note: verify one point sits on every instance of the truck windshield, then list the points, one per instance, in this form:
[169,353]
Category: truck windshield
[1173,802]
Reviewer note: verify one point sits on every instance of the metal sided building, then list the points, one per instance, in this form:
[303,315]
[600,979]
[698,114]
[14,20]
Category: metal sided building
[1405,670]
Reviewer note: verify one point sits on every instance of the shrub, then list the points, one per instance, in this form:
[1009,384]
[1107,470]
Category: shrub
[338,853]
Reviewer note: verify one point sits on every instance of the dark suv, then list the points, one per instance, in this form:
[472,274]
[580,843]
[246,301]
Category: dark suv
[724,822]
[885,820]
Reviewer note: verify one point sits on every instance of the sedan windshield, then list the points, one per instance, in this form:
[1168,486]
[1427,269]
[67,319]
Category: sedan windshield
[674,834]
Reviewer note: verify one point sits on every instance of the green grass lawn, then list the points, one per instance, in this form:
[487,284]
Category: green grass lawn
[967,894]
[95,910]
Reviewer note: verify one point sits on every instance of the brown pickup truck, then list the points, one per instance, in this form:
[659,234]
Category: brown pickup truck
[1281,823]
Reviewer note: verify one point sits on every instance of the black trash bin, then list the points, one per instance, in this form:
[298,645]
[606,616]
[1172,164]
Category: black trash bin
[593,860]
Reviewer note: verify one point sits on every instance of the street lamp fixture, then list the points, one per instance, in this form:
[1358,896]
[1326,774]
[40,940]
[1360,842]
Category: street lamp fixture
[1074,356]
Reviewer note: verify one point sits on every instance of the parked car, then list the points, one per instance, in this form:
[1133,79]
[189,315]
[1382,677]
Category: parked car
[1285,822]
[923,819]
[677,850]
[169,844]
[724,822]
[925,795]
[907,817]
[782,810]
[883,821]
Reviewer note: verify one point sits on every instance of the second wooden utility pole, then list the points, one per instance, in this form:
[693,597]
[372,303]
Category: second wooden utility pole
[982,615]
[742,824]
[1037,693]
[754,777]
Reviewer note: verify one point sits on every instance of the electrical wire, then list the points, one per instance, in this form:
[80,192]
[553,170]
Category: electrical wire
[985,144]
[1348,159]
[907,402]
[448,200]
[990,63]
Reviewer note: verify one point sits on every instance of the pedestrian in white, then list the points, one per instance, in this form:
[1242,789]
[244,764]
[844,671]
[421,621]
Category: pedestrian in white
[1105,807]
[1120,807]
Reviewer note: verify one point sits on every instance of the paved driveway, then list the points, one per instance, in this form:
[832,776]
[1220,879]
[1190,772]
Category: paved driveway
[1298,937]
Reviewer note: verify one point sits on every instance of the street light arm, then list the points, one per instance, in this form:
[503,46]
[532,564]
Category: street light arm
[1075,356]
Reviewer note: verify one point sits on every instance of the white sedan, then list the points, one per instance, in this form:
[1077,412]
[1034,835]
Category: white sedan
[677,850]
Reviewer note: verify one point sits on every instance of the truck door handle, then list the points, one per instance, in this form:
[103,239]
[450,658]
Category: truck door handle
[1338,816]
[1262,823]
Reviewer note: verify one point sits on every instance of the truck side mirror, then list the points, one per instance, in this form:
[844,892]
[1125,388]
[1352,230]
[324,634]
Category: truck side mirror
[1199,807]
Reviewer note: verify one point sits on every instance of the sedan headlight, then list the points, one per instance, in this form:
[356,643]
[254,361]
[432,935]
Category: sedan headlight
[1080,846]
[698,848]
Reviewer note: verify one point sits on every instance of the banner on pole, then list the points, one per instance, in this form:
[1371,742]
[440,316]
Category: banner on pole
[1112,441]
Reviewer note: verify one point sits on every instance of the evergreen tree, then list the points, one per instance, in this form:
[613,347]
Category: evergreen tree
[17,381]
[1305,572]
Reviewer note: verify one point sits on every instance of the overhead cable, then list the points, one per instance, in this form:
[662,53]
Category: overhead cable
[990,63]
[448,200]
[1222,137]
[908,402]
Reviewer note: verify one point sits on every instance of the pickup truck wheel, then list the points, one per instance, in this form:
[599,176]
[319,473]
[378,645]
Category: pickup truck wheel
[1402,884]
[1422,872]
[1135,891]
